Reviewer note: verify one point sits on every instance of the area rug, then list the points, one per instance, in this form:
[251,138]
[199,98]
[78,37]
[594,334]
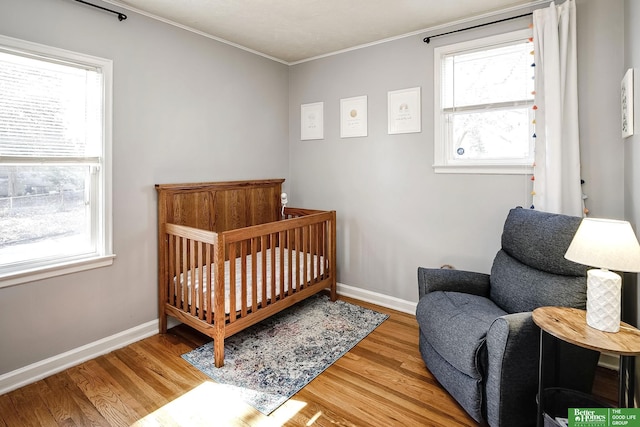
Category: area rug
[266,364]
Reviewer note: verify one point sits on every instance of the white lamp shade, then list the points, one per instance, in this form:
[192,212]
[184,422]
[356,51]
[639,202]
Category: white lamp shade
[605,243]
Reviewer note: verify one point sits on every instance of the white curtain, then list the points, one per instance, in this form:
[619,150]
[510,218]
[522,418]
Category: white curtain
[556,183]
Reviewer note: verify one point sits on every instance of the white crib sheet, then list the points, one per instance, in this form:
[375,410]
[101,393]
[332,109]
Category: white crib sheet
[297,258]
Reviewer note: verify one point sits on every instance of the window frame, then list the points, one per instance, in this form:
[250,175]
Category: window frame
[443,163]
[33,270]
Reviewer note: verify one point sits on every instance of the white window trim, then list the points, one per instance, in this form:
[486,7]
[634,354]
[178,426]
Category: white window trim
[106,255]
[41,273]
[441,164]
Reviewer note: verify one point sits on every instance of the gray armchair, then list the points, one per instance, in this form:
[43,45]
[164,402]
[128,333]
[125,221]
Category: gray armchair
[477,336]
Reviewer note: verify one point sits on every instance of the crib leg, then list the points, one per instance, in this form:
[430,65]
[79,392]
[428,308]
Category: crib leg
[163,324]
[333,292]
[162,319]
[218,352]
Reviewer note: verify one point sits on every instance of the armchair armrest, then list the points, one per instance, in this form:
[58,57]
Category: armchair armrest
[513,352]
[440,279]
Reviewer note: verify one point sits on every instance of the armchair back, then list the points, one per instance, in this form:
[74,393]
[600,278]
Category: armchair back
[530,269]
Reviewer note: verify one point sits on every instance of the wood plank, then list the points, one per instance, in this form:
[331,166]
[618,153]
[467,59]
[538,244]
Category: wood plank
[31,396]
[114,403]
[10,415]
[64,391]
[222,185]
[191,233]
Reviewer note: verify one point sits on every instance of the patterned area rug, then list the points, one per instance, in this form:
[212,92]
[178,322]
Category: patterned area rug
[269,362]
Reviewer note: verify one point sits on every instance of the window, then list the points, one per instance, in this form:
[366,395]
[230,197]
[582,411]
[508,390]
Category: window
[54,161]
[483,105]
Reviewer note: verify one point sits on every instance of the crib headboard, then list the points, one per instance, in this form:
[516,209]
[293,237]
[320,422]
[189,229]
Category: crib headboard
[220,206]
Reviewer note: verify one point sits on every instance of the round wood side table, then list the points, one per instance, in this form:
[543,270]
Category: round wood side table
[570,325]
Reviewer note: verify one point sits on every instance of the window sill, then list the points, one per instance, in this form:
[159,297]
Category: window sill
[486,169]
[16,278]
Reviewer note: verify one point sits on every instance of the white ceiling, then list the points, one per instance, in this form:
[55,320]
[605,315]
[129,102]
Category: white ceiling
[291,31]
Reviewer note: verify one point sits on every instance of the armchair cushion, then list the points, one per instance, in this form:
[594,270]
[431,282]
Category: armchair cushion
[530,270]
[516,287]
[540,240]
[444,314]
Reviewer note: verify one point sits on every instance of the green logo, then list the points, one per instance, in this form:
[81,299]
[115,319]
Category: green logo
[604,417]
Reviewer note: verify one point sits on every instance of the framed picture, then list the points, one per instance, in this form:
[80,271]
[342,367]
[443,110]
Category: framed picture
[626,103]
[353,117]
[403,111]
[312,121]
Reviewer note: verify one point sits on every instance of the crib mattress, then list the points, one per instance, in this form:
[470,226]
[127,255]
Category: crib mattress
[298,265]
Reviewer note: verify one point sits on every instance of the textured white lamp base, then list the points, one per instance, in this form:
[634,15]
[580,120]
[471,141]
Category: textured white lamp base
[603,300]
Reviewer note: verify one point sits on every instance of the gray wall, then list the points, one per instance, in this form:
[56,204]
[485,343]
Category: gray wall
[600,69]
[394,212]
[185,108]
[632,152]
[632,160]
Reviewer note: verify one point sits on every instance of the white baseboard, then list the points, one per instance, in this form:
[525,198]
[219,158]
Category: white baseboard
[376,298]
[44,368]
[609,361]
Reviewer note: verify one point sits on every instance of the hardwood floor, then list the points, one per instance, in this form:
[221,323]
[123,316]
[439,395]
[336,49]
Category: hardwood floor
[380,382]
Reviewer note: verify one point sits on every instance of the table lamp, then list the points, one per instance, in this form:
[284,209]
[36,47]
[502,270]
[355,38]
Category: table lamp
[608,245]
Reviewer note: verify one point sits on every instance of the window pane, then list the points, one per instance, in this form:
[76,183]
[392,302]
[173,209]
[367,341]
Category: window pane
[49,109]
[492,75]
[492,134]
[43,212]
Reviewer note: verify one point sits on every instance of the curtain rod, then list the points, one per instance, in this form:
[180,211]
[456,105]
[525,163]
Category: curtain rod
[428,38]
[121,16]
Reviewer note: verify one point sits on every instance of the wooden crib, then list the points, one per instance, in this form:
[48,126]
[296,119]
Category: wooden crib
[235,239]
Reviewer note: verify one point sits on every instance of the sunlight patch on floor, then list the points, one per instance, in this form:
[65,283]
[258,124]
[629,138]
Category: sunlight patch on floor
[313,419]
[212,404]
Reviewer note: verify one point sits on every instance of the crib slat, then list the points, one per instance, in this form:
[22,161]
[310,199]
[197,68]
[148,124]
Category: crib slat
[313,250]
[322,249]
[210,279]
[281,271]
[194,277]
[232,280]
[172,273]
[184,303]
[305,255]
[298,251]
[201,289]
[290,246]
[272,258]
[254,275]
[243,277]
[263,252]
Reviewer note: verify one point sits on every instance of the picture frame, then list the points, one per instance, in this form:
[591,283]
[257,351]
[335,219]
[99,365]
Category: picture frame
[626,103]
[403,111]
[353,117]
[312,121]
